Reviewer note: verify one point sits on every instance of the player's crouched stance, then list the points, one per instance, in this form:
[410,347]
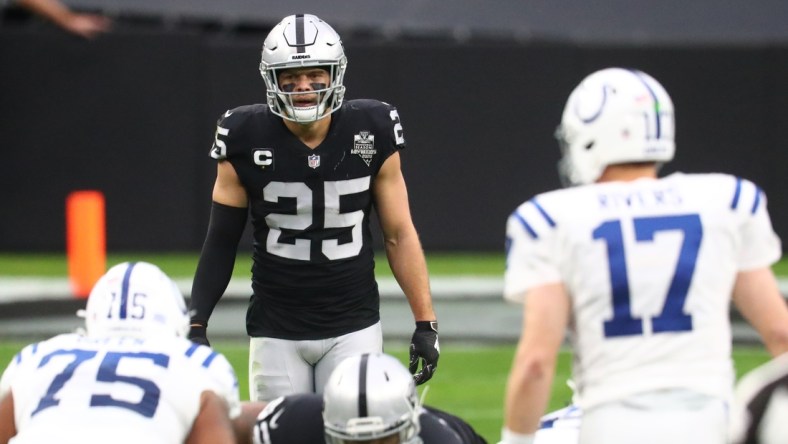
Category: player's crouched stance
[130,377]
[369,399]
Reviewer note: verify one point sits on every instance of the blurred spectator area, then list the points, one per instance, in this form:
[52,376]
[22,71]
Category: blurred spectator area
[599,22]
[480,86]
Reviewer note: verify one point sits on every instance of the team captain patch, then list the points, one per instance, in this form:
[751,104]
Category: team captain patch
[364,146]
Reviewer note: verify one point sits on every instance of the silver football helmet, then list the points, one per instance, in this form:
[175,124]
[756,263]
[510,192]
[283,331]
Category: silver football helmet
[302,41]
[614,116]
[135,299]
[371,396]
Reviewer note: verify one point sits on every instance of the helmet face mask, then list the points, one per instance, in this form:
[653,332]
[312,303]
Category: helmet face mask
[303,41]
[371,396]
[136,299]
[614,116]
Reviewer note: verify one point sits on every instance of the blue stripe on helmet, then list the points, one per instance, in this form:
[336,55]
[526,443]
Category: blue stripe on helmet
[124,292]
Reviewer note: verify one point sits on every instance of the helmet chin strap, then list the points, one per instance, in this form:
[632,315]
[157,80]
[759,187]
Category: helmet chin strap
[307,114]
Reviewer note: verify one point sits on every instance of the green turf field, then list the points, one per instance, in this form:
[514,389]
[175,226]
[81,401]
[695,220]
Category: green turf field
[184,264]
[470,380]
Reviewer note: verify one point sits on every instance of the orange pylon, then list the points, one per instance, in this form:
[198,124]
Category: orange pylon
[85,240]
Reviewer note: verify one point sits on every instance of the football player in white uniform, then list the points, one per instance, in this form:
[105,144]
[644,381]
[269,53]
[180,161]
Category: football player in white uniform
[131,377]
[641,270]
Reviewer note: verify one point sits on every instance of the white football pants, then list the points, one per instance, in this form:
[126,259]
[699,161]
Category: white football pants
[280,367]
[660,417]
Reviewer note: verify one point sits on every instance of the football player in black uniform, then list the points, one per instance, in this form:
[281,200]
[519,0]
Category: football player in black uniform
[309,167]
[370,398]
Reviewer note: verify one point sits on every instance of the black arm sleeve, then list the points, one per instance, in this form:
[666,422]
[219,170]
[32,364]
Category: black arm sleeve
[217,259]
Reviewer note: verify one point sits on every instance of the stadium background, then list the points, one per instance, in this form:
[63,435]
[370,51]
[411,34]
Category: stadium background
[479,86]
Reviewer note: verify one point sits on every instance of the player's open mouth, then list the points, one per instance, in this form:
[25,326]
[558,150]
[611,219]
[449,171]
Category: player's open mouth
[304,103]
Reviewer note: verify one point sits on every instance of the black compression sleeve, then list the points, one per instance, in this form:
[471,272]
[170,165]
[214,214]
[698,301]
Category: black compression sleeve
[217,259]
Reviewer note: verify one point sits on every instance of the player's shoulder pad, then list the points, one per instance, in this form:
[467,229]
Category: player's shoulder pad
[375,110]
[238,125]
[438,426]
[740,195]
[537,216]
[203,355]
[371,105]
[233,118]
[30,355]
[747,196]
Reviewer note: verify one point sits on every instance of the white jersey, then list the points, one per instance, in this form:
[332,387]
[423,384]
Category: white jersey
[560,427]
[76,389]
[650,267]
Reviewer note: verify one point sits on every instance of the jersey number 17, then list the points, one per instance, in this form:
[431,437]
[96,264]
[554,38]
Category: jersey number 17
[672,318]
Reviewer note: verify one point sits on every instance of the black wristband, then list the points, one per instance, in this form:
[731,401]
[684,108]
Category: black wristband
[200,330]
[427,326]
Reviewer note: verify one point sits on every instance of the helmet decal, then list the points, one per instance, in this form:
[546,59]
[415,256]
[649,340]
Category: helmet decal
[598,112]
[657,118]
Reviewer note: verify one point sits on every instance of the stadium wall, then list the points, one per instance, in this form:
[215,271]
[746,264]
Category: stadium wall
[132,114]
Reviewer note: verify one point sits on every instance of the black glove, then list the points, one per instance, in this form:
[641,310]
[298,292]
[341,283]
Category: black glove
[424,345]
[199,333]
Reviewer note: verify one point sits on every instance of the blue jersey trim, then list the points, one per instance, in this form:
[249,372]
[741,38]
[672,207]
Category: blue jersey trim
[736,194]
[525,225]
[757,201]
[544,214]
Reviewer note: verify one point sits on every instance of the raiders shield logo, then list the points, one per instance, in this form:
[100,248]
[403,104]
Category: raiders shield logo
[364,146]
[313,161]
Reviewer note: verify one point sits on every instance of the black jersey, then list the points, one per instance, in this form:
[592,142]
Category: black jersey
[313,266]
[298,419]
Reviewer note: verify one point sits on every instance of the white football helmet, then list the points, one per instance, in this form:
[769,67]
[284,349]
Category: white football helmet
[371,396]
[614,116]
[301,41]
[135,299]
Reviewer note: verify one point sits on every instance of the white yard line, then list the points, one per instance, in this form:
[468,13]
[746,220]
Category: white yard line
[21,289]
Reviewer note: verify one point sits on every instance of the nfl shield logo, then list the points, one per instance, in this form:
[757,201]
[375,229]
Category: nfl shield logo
[314,161]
